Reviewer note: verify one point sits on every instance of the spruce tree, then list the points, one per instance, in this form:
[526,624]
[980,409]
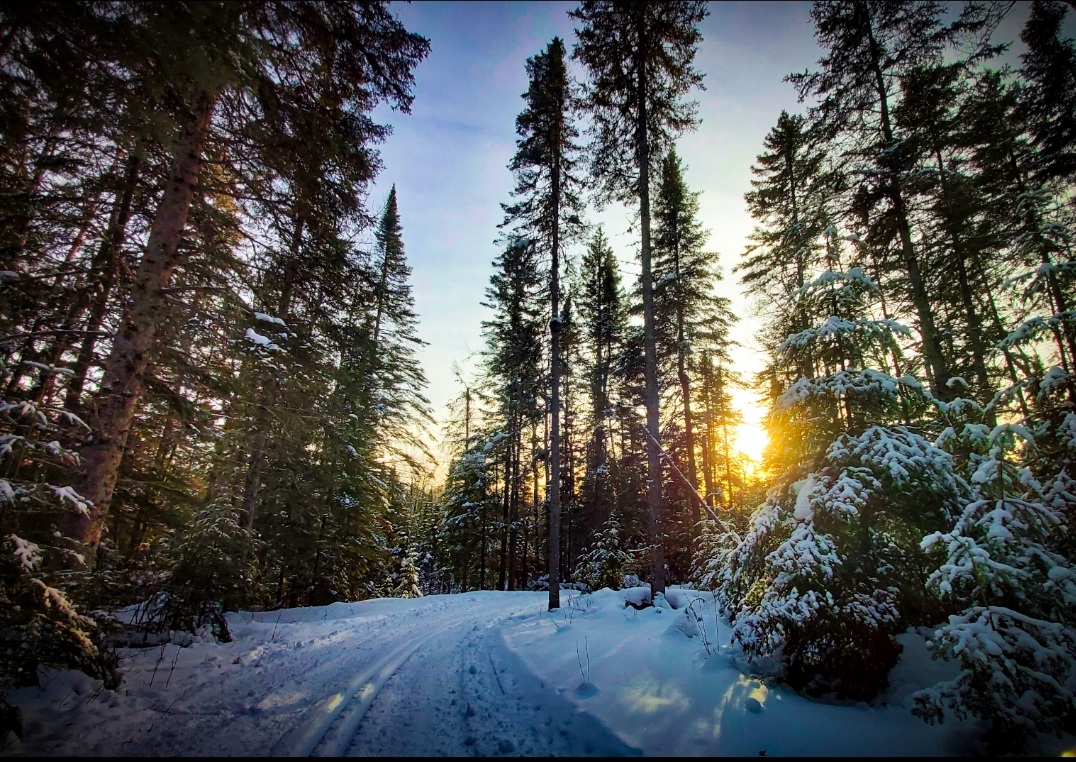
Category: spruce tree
[1049,104]
[219,55]
[689,316]
[602,315]
[396,377]
[638,58]
[545,199]
[788,199]
[869,46]
[513,365]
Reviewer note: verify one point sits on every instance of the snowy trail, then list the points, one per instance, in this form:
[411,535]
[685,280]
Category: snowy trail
[440,681]
[475,674]
[333,720]
[463,693]
[386,677]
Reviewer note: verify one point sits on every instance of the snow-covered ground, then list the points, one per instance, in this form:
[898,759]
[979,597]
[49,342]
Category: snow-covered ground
[476,674]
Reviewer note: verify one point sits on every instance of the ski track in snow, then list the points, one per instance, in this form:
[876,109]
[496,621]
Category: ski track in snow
[381,678]
[405,701]
[492,707]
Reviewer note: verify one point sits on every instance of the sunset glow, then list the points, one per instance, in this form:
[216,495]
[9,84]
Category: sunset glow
[751,440]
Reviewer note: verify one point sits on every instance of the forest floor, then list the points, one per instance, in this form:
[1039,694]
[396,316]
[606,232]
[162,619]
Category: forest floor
[475,674]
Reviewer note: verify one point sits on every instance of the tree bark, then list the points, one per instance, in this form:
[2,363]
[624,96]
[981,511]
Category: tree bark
[106,267]
[554,400]
[653,447]
[134,344]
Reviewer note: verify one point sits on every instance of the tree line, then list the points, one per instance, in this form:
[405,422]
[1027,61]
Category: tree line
[912,262]
[207,334]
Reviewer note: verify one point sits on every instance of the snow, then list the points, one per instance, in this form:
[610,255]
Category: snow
[28,553]
[803,490]
[269,319]
[475,674]
[258,340]
[81,504]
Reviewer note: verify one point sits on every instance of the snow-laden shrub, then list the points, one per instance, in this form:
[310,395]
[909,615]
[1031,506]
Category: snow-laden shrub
[214,571]
[1014,633]
[408,578]
[604,563]
[830,569]
[39,626]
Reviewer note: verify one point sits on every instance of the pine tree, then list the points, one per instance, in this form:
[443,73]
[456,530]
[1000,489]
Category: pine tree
[789,196]
[689,317]
[856,87]
[221,56]
[639,60]
[1049,105]
[514,367]
[545,198]
[602,314]
[396,376]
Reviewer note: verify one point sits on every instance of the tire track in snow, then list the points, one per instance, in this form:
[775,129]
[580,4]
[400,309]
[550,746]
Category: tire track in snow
[333,722]
[466,694]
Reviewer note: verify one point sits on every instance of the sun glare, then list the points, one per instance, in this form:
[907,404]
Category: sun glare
[751,440]
[750,437]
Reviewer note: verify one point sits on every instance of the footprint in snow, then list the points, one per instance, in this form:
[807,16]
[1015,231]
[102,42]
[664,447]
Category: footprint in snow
[587,690]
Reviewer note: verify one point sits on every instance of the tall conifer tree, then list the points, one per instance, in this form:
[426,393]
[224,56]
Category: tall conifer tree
[639,56]
[545,199]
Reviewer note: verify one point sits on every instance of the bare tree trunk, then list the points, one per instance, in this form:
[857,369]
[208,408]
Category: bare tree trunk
[513,510]
[685,391]
[106,272]
[570,552]
[485,547]
[708,450]
[653,446]
[135,342]
[535,504]
[554,401]
[506,499]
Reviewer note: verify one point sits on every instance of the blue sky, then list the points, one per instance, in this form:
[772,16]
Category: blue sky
[448,157]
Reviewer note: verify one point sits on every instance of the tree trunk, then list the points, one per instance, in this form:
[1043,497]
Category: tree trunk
[554,401]
[685,391]
[134,344]
[513,510]
[106,267]
[932,351]
[653,447]
[708,443]
[506,499]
